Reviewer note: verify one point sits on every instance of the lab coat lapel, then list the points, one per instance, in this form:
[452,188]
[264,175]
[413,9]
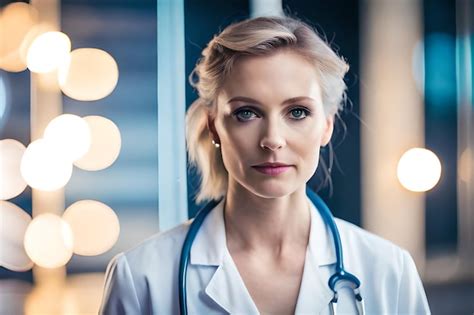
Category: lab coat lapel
[226,287]
[315,294]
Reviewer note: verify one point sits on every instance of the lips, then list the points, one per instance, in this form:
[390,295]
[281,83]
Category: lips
[273,169]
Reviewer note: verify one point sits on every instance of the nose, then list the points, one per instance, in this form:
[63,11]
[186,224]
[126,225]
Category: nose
[272,138]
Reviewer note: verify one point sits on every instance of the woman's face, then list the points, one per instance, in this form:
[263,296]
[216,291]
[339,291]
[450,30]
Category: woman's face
[270,110]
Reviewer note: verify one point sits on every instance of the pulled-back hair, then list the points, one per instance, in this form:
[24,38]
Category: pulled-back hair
[253,37]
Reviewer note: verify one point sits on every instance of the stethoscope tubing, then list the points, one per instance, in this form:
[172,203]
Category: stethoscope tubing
[340,275]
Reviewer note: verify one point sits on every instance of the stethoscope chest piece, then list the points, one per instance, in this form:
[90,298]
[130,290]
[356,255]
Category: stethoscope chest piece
[343,279]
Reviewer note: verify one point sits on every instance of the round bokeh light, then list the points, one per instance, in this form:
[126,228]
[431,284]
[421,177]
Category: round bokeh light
[105,144]
[88,75]
[16,21]
[49,241]
[95,226]
[71,134]
[44,167]
[419,170]
[13,224]
[48,51]
[12,183]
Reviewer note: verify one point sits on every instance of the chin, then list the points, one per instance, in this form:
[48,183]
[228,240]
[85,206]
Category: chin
[272,190]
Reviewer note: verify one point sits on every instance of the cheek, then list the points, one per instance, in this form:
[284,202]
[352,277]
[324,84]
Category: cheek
[308,148]
[309,154]
[240,137]
[237,146]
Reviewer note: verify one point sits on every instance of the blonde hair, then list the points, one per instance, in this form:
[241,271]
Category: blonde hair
[252,37]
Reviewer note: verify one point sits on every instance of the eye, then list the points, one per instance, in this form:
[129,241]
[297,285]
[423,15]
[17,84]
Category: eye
[244,114]
[299,113]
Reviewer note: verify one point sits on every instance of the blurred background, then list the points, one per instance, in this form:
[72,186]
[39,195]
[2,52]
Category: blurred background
[403,151]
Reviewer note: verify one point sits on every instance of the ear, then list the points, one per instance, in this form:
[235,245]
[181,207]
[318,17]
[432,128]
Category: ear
[327,133]
[212,128]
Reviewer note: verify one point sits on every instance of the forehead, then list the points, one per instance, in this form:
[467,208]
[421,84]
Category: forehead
[276,77]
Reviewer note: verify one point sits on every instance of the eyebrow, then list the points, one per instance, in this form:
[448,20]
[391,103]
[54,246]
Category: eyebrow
[251,100]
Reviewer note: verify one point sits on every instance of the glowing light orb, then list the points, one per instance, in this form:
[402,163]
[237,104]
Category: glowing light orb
[16,20]
[419,170]
[90,74]
[44,167]
[95,226]
[33,33]
[13,224]
[105,144]
[71,134]
[49,241]
[12,183]
[48,51]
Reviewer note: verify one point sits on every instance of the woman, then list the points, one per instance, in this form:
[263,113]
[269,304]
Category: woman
[269,90]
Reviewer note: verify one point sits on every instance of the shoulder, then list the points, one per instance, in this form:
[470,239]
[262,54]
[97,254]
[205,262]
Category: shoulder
[364,245]
[133,275]
[364,238]
[385,269]
[151,258]
[161,247]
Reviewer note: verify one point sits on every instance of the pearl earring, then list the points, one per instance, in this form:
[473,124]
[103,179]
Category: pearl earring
[217,145]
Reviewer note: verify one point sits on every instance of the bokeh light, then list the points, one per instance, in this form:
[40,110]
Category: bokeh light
[33,33]
[49,241]
[95,226]
[71,134]
[90,74]
[12,183]
[13,224]
[48,51]
[44,167]
[419,170]
[16,20]
[105,144]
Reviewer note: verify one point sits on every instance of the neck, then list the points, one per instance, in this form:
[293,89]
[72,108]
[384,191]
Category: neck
[255,223]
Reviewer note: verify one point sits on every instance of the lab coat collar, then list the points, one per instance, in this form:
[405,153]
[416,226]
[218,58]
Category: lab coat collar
[226,286]
[228,290]
[210,244]
[321,242]
[315,294]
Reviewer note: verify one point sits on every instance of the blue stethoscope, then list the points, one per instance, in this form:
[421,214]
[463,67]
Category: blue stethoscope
[341,278]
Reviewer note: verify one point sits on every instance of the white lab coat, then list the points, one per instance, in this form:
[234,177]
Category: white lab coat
[143,280]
